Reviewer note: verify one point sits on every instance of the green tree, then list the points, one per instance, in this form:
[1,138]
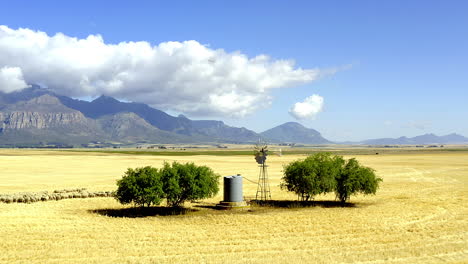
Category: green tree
[141,186]
[355,178]
[188,182]
[323,172]
[313,176]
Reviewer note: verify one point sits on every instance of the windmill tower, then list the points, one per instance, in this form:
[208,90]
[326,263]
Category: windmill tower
[263,188]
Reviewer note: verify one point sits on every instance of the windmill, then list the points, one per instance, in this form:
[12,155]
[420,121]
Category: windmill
[263,188]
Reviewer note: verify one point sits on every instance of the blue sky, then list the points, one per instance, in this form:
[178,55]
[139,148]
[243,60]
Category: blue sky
[399,67]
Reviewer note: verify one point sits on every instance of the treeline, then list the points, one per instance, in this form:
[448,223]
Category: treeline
[39,145]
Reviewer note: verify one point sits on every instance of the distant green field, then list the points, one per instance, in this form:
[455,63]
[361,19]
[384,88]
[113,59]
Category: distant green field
[299,151]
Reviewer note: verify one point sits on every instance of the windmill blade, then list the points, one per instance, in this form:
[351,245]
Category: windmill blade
[260,152]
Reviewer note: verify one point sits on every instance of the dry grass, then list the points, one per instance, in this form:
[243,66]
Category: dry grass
[418,216]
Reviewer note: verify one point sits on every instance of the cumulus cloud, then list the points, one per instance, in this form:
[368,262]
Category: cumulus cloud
[11,79]
[307,109]
[184,76]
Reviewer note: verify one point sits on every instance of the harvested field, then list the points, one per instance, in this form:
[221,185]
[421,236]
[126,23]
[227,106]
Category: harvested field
[419,215]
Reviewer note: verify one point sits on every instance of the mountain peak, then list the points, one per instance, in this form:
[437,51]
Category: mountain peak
[292,124]
[105,98]
[293,132]
[45,103]
[182,117]
[45,99]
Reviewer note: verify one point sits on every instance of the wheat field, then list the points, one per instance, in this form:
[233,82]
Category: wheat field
[419,215]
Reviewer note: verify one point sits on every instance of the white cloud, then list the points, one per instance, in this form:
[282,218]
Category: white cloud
[307,109]
[11,79]
[184,76]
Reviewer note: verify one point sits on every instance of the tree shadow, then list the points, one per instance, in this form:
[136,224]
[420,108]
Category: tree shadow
[206,206]
[301,204]
[137,212]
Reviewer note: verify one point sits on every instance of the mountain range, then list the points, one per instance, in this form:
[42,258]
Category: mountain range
[37,116]
[419,140]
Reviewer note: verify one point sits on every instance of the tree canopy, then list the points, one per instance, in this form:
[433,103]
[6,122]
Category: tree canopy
[141,186]
[182,182]
[323,173]
[174,182]
[355,178]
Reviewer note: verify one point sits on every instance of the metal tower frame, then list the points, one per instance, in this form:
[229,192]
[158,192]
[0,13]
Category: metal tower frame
[263,187]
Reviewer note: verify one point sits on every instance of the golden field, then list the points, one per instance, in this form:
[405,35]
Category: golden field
[419,215]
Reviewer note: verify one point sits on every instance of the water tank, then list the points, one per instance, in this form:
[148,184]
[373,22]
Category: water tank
[233,188]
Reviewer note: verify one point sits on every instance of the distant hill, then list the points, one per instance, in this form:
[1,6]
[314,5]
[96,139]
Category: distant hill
[129,128]
[45,119]
[419,140]
[293,132]
[219,130]
[38,115]
[105,105]
[199,130]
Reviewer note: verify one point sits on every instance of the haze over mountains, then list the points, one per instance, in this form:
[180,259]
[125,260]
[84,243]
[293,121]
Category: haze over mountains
[35,116]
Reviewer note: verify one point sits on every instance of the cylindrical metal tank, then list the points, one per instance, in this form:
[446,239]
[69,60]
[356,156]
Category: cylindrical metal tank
[233,188]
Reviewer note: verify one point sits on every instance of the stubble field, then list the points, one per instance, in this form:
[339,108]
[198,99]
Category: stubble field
[419,215]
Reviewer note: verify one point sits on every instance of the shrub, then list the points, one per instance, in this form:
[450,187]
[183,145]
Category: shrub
[312,176]
[182,182]
[355,178]
[176,182]
[322,173]
[141,186]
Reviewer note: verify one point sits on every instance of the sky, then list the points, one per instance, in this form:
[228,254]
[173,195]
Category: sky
[352,70]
